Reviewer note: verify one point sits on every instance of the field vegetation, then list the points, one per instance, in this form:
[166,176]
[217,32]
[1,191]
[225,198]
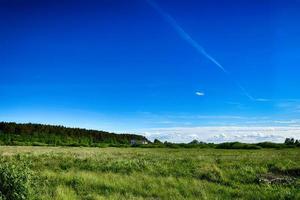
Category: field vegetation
[70,173]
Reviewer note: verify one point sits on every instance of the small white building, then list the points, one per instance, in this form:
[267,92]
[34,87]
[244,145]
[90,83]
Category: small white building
[132,142]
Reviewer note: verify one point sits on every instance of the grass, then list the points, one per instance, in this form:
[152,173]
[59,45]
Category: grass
[64,173]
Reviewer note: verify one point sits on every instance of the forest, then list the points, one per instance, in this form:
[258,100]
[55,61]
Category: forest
[38,135]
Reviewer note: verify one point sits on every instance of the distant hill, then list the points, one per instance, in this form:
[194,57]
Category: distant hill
[40,134]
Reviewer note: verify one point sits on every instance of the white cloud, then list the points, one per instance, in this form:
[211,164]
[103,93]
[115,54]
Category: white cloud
[200,93]
[286,121]
[224,133]
[262,100]
[249,138]
[215,117]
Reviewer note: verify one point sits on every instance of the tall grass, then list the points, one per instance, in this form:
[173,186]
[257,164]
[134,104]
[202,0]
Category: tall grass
[137,173]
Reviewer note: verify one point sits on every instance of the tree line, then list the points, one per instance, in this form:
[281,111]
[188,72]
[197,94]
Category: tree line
[289,143]
[39,134]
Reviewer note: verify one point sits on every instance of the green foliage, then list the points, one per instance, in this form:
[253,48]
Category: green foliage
[194,142]
[237,145]
[14,181]
[289,141]
[270,145]
[156,141]
[159,173]
[292,142]
[41,135]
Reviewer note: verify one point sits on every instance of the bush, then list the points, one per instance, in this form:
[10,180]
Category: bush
[270,145]
[14,182]
[237,145]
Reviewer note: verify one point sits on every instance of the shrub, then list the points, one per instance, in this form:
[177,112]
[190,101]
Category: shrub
[269,145]
[237,145]
[14,182]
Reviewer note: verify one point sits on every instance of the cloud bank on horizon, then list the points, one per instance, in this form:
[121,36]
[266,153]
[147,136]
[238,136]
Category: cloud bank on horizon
[175,128]
[219,134]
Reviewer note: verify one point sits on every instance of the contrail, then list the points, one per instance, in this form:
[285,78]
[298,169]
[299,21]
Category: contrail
[185,36]
[245,92]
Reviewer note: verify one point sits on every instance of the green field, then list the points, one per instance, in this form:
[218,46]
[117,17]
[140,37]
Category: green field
[158,173]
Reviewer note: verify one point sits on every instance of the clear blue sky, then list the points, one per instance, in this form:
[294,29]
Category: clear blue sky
[153,67]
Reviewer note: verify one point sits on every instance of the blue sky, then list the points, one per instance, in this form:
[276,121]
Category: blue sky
[176,70]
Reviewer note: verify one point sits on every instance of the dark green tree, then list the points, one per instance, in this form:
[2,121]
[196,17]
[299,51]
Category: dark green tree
[156,141]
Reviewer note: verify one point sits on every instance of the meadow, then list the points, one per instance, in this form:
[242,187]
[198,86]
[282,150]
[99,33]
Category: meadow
[70,173]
